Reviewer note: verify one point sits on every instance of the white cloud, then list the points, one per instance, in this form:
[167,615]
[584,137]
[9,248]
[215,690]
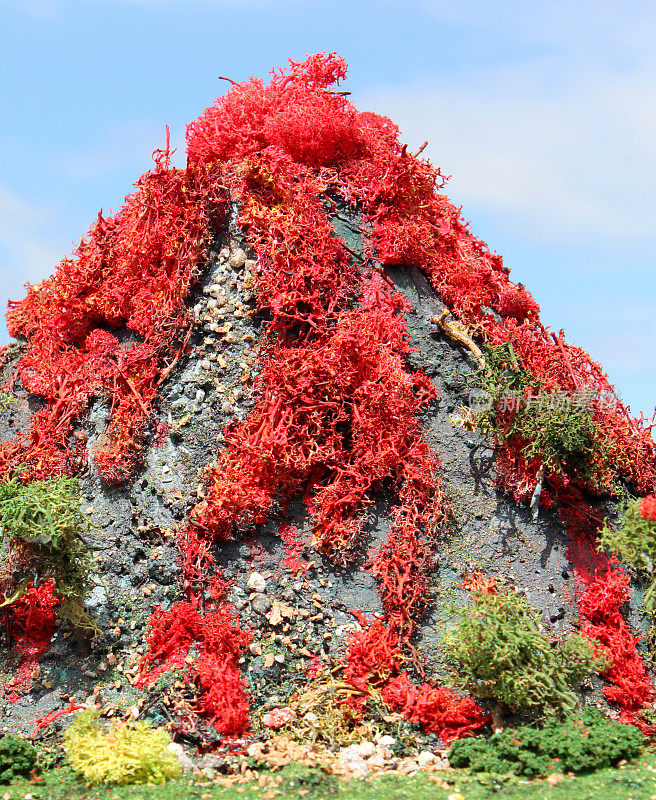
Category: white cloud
[578,161]
[555,131]
[26,254]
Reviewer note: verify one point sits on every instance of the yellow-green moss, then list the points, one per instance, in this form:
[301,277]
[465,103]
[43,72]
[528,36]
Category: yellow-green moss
[504,655]
[42,522]
[124,753]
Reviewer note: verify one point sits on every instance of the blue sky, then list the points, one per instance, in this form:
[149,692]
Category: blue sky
[543,112]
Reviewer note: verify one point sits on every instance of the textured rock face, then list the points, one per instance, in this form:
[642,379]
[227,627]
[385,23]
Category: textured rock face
[270,422]
[135,525]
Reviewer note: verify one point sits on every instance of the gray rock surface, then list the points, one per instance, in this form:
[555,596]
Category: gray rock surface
[136,525]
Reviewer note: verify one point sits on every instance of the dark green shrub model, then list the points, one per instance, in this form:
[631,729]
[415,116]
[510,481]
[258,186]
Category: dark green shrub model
[17,758]
[580,744]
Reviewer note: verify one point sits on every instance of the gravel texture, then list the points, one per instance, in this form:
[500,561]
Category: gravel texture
[296,618]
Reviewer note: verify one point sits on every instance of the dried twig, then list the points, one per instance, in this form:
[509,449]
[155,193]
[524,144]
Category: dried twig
[456,331]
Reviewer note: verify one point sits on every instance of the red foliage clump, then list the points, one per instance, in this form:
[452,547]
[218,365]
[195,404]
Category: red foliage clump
[219,641]
[437,709]
[32,622]
[600,607]
[372,654]
[293,114]
[648,508]
[131,273]
[292,562]
[516,301]
[602,589]
[51,716]
[373,660]
[200,576]
[340,410]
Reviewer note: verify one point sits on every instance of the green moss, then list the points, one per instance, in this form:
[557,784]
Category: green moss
[581,744]
[43,523]
[7,399]
[556,427]
[503,655]
[309,780]
[504,373]
[50,754]
[125,753]
[560,431]
[634,781]
[166,682]
[16,758]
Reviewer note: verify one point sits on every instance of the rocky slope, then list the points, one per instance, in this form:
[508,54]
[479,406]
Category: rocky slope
[171,529]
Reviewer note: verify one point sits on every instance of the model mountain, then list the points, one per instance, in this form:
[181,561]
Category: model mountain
[284,447]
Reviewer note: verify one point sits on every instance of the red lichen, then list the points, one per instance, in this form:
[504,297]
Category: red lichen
[51,716]
[292,562]
[602,589]
[130,274]
[648,508]
[31,622]
[372,654]
[600,606]
[373,661]
[218,640]
[437,709]
[340,410]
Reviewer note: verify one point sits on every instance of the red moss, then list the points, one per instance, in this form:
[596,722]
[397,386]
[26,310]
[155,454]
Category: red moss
[339,409]
[219,641]
[31,622]
[293,114]
[602,589]
[516,301]
[131,272]
[373,660]
[648,508]
[600,607]
[292,562]
[51,716]
[372,654]
[437,709]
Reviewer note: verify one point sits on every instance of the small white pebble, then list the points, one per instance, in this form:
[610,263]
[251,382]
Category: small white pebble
[366,749]
[256,582]
[386,741]
[238,259]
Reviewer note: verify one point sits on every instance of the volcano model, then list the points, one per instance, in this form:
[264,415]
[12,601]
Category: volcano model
[284,448]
